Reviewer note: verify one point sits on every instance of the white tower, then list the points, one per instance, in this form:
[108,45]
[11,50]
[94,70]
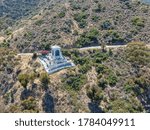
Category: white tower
[56,52]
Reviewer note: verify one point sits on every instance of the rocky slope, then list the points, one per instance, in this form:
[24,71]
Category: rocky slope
[66,22]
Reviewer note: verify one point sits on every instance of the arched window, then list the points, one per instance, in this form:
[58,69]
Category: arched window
[57,53]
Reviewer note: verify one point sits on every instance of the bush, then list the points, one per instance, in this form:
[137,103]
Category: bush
[99,8]
[75,6]
[129,86]
[100,68]
[138,22]
[39,22]
[61,14]
[102,83]
[84,68]
[44,78]
[29,104]
[88,38]
[8,32]
[106,25]
[32,77]
[95,18]
[137,53]
[80,16]
[75,82]
[94,93]
[114,37]
[23,79]
[81,19]
[125,105]
[81,60]
[99,57]
[121,106]
[143,82]
[112,79]
[34,56]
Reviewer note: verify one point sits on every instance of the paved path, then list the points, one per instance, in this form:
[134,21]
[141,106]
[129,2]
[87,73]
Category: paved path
[99,47]
[87,48]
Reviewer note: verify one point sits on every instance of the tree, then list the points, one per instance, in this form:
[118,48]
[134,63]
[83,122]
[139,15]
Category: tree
[94,93]
[34,56]
[102,83]
[29,104]
[103,46]
[23,79]
[44,78]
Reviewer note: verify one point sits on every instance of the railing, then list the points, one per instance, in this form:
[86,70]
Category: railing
[56,67]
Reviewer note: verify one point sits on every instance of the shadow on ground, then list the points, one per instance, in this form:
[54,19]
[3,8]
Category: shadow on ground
[94,107]
[48,103]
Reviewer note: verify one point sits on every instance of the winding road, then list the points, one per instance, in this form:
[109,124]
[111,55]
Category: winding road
[88,48]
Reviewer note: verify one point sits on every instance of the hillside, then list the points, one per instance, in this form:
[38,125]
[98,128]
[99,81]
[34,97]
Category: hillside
[68,24]
[105,79]
[101,81]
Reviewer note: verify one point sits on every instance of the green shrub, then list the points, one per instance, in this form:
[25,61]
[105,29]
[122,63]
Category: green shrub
[121,106]
[81,60]
[95,18]
[143,82]
[94,93]
[112,79]
[75,6]
[34,56]
[106,25]
[88,38]
[129,86]
[137,53]
[39,22]
[61,14]
[99,8]
[84,68]
[138,22]
[99,57]
[81,19]
[29,104]
[74,82]
[114,37]
[8,32]
[100,68]
[23,79]
[80,16]
[102,83]
[44,78]
[32,77]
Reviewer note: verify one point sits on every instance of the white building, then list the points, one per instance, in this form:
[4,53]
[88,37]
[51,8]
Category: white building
[55,61]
